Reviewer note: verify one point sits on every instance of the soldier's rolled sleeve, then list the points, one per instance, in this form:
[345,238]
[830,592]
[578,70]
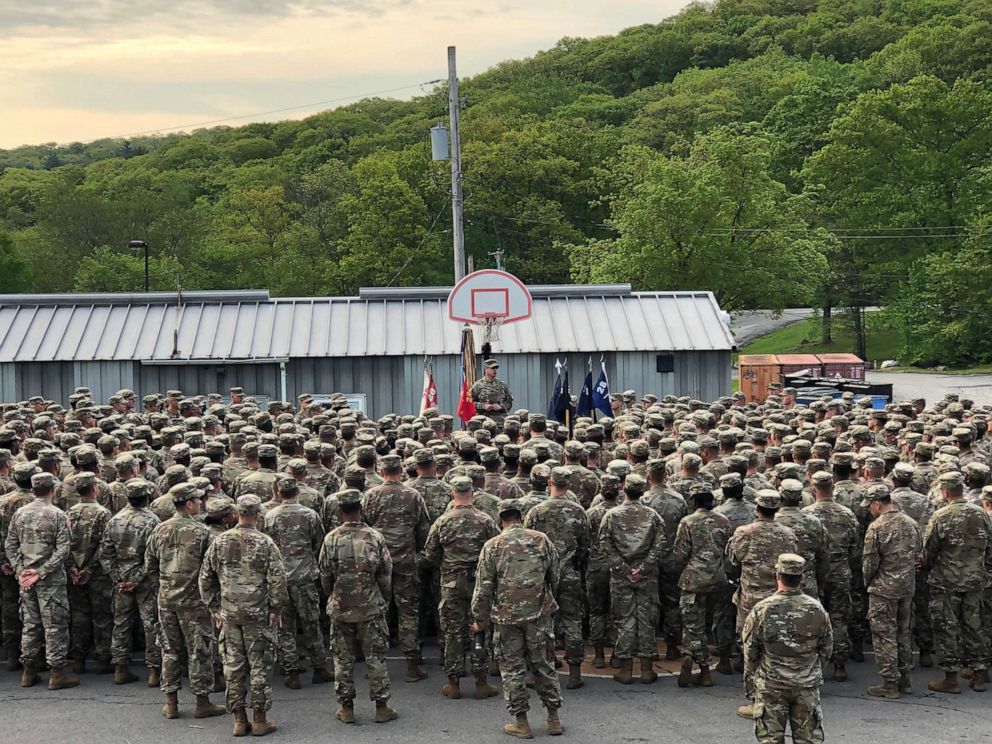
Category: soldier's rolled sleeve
[482,596]
[870,560]
[384,576]
[751,646]
[276,580]
[12,547]
[209,584]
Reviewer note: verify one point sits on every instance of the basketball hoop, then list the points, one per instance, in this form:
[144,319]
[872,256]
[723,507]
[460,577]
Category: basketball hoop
[489,298]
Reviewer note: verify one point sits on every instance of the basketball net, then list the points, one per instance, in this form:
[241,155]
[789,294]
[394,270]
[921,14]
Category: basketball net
[490,328]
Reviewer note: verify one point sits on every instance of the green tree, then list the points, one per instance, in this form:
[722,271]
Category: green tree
[108,270]
[14,273]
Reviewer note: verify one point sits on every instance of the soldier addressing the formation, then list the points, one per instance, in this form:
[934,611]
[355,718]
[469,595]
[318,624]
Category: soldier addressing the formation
[491,395]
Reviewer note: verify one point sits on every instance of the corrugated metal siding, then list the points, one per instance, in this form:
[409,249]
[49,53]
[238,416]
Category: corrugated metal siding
[348,327]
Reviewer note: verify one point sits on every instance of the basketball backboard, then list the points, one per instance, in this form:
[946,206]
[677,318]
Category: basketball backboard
[489,295]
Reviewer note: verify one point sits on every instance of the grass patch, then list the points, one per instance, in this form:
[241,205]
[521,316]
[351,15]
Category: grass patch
[804,338]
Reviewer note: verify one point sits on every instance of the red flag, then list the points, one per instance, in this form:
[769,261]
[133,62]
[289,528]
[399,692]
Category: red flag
[429,398]
[466,408]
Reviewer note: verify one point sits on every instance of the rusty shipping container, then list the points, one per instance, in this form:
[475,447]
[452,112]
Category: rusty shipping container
[791,363]
[846,366]
[757,371]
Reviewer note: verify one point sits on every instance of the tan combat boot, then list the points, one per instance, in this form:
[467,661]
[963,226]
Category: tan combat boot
[452,690]
[220,684]
[206,709]
[59,680]
[241,725]
[123,675]
[78,666]
[840,672]
[978,679]
[292,681]
[746,711]
[614,661]
[685,673]
[346,713]
[905,685]
[723,666]
[103,667]
[383,713]
[321,676]
[554,723]
[261,725]
[672,652]
[625,675]
[483,689]
[575,677]
[29,677]
[948,684]
[599,660]
[648,674]
[704,678]
[154,676]
[520,728]
[171,708]
[413,671]
[12,664]
[888,690]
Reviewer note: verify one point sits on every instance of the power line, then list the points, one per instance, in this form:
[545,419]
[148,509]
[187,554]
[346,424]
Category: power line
[421,244]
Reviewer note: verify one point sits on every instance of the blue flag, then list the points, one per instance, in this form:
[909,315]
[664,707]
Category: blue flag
[584,406]
[555,394]
[563,403]
[601,393]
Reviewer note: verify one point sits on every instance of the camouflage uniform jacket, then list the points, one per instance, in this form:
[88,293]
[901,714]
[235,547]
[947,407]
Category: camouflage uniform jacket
[66,496]
[516,578]
[842,538]
[958,548]
[893,542]
[530,500]
[260,482]
[595,514]
[755,547]
[924,474]
[786,639]
[243,577]
[122,549]
[583,482]
[850,494]
[738,512]
[118,496]
[39,538]
[700,545]
[173,558]
[163,507]
[234,467]
[322,479]
[311,498]
[501,487]
[566,525]
[456,539]
[484,502]
[495,391]
[9,504]
[670,507]
[87,521]
[811,537]
[914,505]
[356,572]
[400,514]
[297,532]
[633,536]
[554,449]
[435,492]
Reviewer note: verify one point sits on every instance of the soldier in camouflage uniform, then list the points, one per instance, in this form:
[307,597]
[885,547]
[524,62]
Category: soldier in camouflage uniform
[90,590]
[958,550]
[496,483]
[492,397]
[811,537]
[122,557]
[306,495]
[632,537]
[9,504]
[845,550]
[454,542]
[173,558]
[566,525]
[598,573]
[786,639]
[399,513]
[700,543]
[37,546]
[297,532]
[262,481]
[671,507]
[582,481]
[893,545]
[243,584]
[515,585]
[754,548]
[355,570]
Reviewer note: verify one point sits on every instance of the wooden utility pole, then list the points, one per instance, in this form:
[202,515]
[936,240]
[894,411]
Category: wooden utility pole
[457,203]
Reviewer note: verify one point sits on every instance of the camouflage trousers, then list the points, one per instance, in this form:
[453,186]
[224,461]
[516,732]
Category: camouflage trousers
[571,609]
[10,596]
[922,627]
[91,621]
[598,588]
[372,638]
[891,637]
[189,633]
[249,655]
[454,613]
[725,620]
[406,595]
[304,604]
[669,607]
[957,630]
[635,606]
[45,619]
[798,709]
[987,616]
[836,598]
[522,647]
[857,626]
[697,608]
[129,606]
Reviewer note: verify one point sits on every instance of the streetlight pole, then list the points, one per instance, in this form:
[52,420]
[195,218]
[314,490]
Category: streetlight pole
[135,245]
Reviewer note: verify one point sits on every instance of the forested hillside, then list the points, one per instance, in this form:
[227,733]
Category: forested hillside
[778,152]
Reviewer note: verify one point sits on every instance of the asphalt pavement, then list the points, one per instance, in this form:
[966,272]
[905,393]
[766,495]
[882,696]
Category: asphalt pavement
[907,385]
[602,711]
[747,326]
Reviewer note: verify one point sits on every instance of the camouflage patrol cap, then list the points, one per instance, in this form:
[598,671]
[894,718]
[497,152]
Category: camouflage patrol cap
[609,484]
[391,463]
[874,493]
[731,480]
[511,451]
[287,485]
[475,471]
[183,492]
[987,493]
[215,447]
[49,456]
[125,462]
[42,481]
[85,480]
[267,451]
[635,484]
[468,444]
[691,460]
[619,468]
[574,448]
[791,564]
[560,476]
[951,479]
[218,506]
[138,487]
[639,448]
[976,469]
[791,488]
[297,466]
[506,506]
[249,504]
[768,498]
[489,454]
[540,474]
[461,483]
[25,469]
[822,478]
[528,456]
[349,497]
[423,456]
[87,455]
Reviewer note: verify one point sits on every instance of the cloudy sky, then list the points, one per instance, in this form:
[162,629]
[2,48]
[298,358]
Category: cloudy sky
[82,69]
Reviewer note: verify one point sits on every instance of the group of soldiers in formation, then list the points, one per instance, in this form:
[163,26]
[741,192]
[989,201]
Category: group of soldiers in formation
[231,540]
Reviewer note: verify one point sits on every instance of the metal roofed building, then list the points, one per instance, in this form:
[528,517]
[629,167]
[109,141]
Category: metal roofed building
[372,345]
